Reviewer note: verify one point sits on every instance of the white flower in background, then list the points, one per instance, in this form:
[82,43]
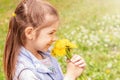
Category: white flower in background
[105,17]
[115,60]
[94,38]
[67,27]
[79,40]
[73,32]
[78,28]
[109,65]
[100,31]
[89,78]
[107,38]
[89,42]
[116,34]
[85,37]
[83,29]
[98,23]
[106,45]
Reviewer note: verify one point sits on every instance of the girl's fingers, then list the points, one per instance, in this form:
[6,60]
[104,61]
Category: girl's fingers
[82,65]
[76,58]
[79,62]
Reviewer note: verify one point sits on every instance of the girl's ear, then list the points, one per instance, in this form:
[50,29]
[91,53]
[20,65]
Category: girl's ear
[29,33]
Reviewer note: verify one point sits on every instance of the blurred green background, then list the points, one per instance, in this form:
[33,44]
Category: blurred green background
[94,25]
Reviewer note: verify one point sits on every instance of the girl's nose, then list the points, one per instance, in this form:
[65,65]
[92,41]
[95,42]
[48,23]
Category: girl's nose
[54,38]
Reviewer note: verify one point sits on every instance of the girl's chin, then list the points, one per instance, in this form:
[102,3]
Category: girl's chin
[46,48]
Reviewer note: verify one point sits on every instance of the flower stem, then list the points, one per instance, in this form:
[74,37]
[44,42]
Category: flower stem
[68,54]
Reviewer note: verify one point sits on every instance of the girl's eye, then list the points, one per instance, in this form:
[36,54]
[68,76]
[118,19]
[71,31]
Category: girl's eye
[51,33]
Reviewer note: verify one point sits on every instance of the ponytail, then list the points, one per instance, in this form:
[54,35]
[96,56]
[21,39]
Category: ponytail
[11,49]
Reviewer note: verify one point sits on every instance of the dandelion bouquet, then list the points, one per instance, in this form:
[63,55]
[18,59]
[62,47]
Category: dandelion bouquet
[63,47]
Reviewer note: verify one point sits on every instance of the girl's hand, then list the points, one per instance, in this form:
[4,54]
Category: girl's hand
[78,61]
[75,67]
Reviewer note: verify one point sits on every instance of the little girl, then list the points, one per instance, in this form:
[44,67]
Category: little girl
[27,56]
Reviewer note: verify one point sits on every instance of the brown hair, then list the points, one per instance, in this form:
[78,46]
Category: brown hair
[28,13]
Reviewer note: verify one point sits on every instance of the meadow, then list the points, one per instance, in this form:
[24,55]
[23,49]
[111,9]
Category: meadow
[94,25]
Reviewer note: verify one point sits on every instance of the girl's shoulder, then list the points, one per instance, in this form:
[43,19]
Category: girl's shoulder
[25,76]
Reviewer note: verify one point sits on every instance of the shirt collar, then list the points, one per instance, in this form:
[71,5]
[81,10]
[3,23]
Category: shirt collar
[33,60]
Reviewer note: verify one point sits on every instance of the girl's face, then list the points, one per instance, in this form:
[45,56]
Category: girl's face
[45,38]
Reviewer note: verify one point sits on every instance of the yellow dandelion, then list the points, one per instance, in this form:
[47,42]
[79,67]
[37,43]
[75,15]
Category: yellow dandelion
[63,47]
[71,45]
[108,71]
[58,52]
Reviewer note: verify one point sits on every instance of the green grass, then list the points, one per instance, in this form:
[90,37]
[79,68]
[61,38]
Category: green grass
[94,25]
